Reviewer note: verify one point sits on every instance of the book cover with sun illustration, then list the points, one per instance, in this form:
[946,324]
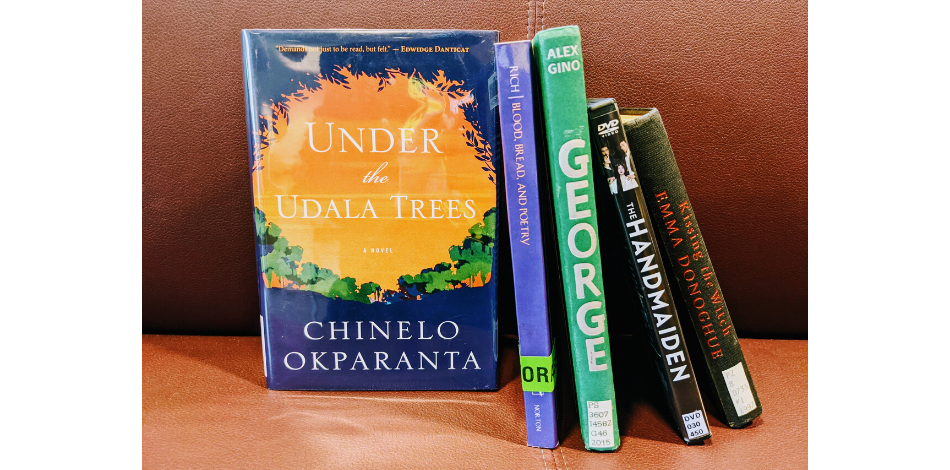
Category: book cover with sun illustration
[373,169]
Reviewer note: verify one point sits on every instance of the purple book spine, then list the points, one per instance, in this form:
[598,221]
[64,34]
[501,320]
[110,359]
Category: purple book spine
[516,107]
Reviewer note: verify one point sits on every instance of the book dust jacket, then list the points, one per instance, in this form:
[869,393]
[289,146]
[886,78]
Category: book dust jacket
[373,169]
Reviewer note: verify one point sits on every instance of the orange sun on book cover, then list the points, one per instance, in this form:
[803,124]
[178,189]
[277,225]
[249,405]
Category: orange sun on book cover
[374,185]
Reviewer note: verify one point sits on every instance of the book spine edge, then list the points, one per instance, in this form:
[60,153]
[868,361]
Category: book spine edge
[653,290]
[252,143]
[528,267]
[567,105]
[663,184]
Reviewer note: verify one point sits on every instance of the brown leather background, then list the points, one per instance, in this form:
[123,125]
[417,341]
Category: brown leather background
[729,77]
[205,405]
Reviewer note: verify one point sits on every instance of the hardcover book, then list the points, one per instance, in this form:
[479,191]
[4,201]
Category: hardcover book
[626,222]
[689,261]
[373,171]
[538,305]
[560,64]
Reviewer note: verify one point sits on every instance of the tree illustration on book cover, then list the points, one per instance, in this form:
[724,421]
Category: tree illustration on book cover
[374,184]
[336,200]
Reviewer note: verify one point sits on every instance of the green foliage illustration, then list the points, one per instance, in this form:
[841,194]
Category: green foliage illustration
[470,266]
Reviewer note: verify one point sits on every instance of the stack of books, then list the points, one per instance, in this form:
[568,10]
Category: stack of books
[384,164]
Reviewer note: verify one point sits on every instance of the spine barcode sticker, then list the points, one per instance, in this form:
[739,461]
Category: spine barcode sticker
[695,424]
[600,423]
[739,389]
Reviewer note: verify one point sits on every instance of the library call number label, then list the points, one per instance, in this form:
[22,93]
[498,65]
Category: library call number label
[739,389]
[600,423]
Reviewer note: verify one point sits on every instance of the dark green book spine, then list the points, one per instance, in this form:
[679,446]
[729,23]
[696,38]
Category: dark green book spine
[678,230]
[564,102]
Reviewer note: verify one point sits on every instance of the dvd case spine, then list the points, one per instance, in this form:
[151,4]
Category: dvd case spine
[626,223]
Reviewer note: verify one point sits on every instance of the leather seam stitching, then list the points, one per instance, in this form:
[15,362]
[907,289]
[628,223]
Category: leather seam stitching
[527,22]
[542,15]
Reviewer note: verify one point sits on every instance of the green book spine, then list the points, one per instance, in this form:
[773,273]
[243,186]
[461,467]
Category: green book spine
[686,253]
[564,103]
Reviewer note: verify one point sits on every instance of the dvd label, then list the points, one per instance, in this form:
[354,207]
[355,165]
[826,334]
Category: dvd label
[695,424]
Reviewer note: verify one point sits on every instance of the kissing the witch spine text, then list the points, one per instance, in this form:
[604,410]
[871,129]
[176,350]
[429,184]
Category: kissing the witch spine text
[684,250]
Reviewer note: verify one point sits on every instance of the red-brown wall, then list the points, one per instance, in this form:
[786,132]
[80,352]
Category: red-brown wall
[730,79]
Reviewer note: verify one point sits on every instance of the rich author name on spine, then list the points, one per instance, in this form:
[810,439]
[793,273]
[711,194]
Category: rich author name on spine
[524,186]
[516,98]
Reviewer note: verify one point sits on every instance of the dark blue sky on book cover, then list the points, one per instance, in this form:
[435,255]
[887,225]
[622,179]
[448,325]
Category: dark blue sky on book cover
[373,170]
